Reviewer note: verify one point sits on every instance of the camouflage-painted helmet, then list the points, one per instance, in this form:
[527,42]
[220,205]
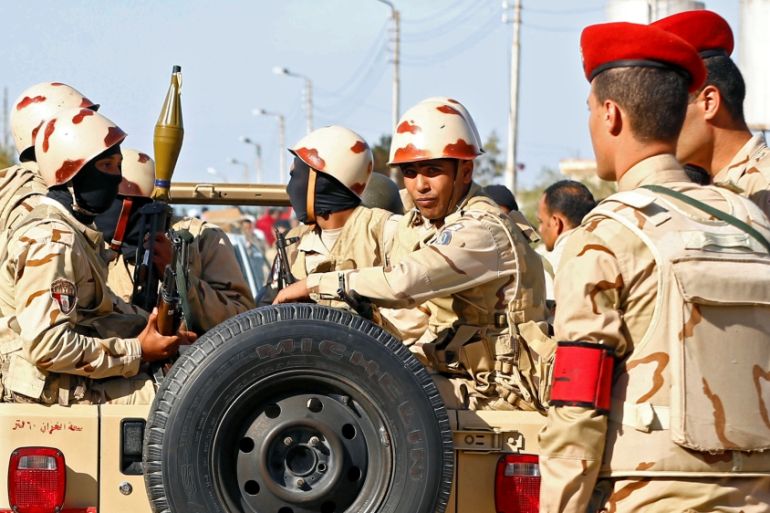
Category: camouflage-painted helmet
[339,152]
[38,104]
[70,139]
[138,171]
[435,128]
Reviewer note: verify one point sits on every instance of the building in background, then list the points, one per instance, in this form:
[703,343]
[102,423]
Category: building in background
[753,47]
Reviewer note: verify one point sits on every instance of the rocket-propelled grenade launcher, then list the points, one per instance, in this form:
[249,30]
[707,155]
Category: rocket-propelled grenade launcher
[156,216]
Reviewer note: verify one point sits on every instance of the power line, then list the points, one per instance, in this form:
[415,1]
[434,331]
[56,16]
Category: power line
[433,17]
[582,10]
[478,35]
[461,17]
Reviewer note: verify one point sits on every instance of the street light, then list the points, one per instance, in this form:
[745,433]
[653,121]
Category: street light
[235,161]
[278,70]
[214,172]
[258,160]
[281,137]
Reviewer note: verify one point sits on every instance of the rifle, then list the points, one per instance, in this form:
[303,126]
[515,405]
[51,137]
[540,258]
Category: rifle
[285,276]
[156,216]
[361,305]
[173,290]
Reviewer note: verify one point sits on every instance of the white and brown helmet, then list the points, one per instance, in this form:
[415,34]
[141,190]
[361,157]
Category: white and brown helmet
[138,171]
[70,139]
[38,104]
[338,152]
[435,128]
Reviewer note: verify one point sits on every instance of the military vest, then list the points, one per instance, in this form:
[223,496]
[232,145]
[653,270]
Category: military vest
[479,330]
[693,396]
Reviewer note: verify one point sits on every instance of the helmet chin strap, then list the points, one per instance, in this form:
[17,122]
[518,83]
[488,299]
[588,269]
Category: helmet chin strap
[310,199]
[456,207]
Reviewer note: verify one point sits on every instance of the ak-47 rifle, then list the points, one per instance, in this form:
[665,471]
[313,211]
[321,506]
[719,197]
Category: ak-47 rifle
[156,216]
[285,276]
[173,290]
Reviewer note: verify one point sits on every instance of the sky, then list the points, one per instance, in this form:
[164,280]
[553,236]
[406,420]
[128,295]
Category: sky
[119,53]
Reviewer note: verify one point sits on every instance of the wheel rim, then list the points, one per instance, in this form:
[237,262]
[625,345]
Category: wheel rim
[280,449]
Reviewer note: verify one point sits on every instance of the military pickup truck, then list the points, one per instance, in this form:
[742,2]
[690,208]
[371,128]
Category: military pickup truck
[288,409]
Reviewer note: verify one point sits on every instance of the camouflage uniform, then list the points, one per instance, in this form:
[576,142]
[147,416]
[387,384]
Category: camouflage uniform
[216,289]
[609,292]
[62,339]
[749,172]
[20,191]
[475,285]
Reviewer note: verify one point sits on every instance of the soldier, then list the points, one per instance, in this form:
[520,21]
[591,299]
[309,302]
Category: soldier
[216,290]
[21,186]
[657,402]
[332,166]
[715,136]
[459,254]
[62,340]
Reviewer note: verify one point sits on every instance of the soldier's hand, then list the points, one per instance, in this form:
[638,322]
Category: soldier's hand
[186,337]
[162,253]
[154,345]
[297,291]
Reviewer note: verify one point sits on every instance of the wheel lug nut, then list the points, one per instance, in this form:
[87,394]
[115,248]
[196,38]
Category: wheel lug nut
[288,441]
[314,440]
[300,482]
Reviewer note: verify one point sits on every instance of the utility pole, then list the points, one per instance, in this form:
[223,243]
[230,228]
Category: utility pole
[395,16]
[511,164]
[281,137]
[258,159]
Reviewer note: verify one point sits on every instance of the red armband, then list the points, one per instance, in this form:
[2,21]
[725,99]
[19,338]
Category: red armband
[582,375]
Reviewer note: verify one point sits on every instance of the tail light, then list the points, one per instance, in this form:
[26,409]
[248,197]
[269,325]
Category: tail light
[517,484]
[36,480]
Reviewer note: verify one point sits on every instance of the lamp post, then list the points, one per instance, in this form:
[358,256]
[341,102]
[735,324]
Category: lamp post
[214,172]
[281,137]
[279,70]
[235,161]
[258,159]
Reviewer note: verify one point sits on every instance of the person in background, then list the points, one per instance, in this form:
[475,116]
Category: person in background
[715,136]
[503,196]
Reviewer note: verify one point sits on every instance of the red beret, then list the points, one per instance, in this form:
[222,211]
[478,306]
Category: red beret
[618,45]
[707,31]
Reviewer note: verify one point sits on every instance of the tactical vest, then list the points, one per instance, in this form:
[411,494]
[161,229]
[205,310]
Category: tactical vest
[693,396]
[479,331]
[96,319]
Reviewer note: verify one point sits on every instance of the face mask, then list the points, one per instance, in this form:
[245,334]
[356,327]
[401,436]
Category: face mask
[94,190]
[329,195]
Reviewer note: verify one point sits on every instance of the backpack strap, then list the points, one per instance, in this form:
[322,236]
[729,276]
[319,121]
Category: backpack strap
[719,214]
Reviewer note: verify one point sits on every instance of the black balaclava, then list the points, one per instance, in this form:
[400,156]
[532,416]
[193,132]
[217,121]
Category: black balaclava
[93,190]
[107,223]
[328,194]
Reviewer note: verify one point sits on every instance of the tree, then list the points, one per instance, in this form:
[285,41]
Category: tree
[6,157]
[489,165]
[381,152]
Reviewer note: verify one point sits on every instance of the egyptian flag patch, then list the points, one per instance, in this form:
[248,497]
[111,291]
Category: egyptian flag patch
[65,294]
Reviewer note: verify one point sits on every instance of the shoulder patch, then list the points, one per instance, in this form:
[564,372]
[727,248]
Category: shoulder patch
[65,294]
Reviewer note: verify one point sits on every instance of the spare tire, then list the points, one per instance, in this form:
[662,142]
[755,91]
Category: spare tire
[298,409]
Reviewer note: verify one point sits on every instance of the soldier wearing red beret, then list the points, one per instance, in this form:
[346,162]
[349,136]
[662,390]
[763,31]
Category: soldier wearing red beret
[715,136]
[660,390]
